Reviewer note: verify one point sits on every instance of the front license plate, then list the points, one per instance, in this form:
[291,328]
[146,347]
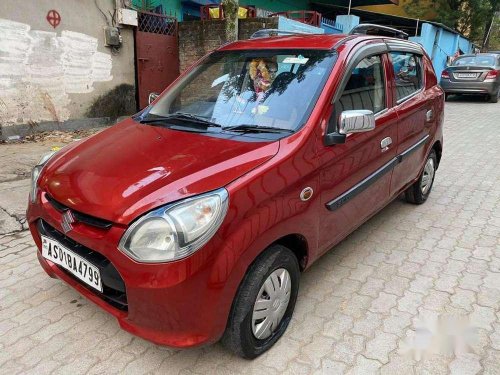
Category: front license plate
[78,266]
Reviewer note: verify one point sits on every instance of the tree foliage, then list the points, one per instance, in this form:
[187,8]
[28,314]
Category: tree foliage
[469,17]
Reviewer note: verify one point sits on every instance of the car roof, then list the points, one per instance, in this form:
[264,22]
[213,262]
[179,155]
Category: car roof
[313,42]
[298,41]
[492,54]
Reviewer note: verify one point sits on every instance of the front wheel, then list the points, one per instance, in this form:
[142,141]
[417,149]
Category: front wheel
[264,303]
[420,190]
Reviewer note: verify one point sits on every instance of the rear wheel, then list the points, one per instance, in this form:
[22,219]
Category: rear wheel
[264,304]
[494,98]
[420,190]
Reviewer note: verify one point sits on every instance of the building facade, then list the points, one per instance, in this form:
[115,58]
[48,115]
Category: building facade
[54,62]
[189,10]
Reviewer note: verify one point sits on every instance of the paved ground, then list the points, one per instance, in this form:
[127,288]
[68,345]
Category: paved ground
[16,161]
[370,305]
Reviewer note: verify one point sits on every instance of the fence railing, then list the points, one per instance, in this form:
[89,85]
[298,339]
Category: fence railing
[260,12]
[156,23]
[309,17]
[331,27]
[216,11]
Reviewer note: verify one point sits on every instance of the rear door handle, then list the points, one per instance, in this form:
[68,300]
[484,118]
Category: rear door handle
[385,143]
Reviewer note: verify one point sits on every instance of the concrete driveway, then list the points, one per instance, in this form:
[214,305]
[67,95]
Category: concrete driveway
[414,290]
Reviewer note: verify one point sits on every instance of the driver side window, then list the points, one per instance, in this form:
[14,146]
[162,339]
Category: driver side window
[365,88]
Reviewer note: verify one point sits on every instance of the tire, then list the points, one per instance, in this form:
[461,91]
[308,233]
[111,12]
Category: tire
[446,97]
[419,191]
[494,98]
[239,336]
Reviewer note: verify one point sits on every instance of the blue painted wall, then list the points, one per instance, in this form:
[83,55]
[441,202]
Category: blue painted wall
[331,27]
[440,44]
[347,22]
[437,42]
[287,24]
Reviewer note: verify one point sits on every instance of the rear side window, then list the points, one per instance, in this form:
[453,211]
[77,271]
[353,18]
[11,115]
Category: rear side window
[365,88]
[408,73]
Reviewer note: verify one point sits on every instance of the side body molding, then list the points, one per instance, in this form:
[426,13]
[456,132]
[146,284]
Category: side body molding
[366,182]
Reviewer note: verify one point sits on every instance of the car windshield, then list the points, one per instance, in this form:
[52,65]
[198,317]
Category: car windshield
[478,60]
[267,89]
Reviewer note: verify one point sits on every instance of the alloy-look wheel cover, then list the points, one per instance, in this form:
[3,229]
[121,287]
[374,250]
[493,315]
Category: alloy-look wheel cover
[271,303]
[428,176]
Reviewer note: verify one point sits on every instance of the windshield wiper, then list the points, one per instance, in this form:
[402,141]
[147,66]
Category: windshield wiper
[180,116]
[256,129]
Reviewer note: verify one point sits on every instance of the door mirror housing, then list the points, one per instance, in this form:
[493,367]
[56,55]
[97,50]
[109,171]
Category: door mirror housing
[152,97]
[352,121]
[356,121]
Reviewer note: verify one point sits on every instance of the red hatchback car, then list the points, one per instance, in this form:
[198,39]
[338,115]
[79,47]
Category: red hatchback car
[192,220]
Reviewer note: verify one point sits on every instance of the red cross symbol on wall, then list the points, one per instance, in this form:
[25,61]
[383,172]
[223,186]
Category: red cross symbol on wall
[54,18]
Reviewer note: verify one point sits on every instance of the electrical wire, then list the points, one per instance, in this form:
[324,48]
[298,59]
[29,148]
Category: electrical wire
[115,50]
[103,14]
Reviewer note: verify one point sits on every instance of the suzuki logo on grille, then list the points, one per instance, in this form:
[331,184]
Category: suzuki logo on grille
[67,221]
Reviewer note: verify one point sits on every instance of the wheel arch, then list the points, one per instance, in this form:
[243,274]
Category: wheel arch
[438,148]
[297,243]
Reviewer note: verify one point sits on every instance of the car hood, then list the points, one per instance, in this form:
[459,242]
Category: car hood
[131,168]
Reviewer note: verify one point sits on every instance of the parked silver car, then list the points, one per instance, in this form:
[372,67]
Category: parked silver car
[473,74]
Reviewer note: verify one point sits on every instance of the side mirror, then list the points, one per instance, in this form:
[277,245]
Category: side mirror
[356,121]
[152,97]
[353,121]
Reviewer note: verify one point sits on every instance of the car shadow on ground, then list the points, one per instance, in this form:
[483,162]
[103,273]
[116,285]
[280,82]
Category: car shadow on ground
[316,304]
[473,99]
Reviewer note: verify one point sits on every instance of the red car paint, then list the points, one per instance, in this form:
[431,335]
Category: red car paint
[150,176]
[125,171]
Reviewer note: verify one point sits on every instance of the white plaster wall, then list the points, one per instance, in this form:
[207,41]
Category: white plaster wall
[38,69]
[49,74]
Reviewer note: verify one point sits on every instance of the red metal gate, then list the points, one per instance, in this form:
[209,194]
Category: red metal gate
[157,54]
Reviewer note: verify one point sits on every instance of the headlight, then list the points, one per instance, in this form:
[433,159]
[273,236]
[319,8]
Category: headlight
[175,231]
[35,173]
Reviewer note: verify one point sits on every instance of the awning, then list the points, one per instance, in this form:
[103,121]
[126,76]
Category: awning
[200,2]
[409,25]
[360,3]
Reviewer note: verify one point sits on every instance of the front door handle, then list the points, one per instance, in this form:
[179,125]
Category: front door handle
[428,115]
[385,143]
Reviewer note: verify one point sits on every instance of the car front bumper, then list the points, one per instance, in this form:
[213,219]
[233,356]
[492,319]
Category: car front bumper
[469,87]
[178,304]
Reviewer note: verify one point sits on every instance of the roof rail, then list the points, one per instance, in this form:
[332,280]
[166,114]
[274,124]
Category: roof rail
[264,33]
[372,29]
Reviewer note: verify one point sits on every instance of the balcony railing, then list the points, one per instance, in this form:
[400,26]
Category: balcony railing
[331,27]
[216,11]
[309,17]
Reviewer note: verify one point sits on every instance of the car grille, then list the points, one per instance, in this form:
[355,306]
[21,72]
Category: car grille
[114,291]
[79,216]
